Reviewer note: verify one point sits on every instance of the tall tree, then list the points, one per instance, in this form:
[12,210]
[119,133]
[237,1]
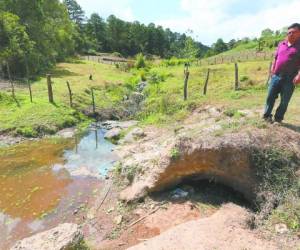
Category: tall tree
[117,32]
[75,12]
[190,50]
[96,31]
[49,28]
[14,43]
[220,46]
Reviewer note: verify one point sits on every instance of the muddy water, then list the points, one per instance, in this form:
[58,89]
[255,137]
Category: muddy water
[47,182]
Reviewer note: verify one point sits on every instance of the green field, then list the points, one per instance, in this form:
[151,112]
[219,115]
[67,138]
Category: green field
[164,94]
[31,119]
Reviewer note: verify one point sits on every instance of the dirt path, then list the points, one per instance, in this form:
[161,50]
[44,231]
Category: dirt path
[180,225]
[206,219]
[226,229]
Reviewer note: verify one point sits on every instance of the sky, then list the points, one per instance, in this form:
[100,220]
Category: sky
[204,20]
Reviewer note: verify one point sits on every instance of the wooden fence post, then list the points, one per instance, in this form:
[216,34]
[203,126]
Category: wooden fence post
[30,91]
[206,82]
[10,80]
[70,94]
[96,138]
[186,79]
[93,101]
[269,73]
[50,91]
[28,80]
[236,70]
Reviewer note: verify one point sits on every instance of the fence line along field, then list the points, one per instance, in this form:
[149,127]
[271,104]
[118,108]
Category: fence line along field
[72,89]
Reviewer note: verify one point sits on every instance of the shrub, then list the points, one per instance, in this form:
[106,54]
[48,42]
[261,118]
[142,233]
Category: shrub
[244,78]
[140,61]
[27,132]
[142,74]
[230,112]
[116,54]
[275,169]
[175,154]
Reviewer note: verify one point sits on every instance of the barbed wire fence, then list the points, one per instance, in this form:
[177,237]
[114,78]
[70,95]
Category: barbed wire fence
[236,57]
[23,85]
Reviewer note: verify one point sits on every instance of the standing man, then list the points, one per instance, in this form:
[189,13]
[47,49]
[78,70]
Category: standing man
[285,74]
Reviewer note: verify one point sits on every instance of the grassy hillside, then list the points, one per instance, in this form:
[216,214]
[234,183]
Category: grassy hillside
[164,94]
[165,99]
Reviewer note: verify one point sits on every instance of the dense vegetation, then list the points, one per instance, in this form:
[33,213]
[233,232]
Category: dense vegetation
[36,34]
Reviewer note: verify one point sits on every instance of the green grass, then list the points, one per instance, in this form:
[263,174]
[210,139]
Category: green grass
[41,117]
[164,95]
[275,169]
[165,104]
[165,99]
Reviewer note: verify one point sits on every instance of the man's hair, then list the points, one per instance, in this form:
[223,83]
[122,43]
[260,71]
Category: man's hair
[294,25]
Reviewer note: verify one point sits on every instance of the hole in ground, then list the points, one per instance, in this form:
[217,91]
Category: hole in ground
[204,193]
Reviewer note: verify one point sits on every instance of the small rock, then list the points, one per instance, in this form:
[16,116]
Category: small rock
[66,133]
[138,132]
[64,236]
[75,211]
[106,177]
[152,206]
[91,215]
[110,210]
[134,134]
[113,133]
[188,189]
[118,219]
[137,97]
[281,228]
[178,193]
[141,86]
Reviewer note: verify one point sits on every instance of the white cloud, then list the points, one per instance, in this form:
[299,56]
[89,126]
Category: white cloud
[121,8]
[212,19]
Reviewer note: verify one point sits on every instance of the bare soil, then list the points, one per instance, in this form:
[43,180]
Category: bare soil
[209,218]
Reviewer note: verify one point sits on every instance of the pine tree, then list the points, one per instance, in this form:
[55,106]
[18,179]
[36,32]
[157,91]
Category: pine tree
[75,12]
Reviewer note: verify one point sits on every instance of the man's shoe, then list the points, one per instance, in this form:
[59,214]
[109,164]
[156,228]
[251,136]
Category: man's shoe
[268,119]
[277,122]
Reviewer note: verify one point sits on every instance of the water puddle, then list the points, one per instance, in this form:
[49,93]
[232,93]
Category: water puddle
[51,181]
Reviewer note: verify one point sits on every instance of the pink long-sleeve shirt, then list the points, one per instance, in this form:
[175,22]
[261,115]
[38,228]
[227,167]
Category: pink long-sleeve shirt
[287,59]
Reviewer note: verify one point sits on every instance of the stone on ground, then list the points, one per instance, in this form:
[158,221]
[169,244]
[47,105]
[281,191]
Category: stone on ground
[64,236]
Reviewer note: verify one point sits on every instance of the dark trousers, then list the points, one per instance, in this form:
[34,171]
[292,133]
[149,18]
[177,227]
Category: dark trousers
[284,87]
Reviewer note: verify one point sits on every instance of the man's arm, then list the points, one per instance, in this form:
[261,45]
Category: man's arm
[296,79]
[274,61]
[273,66]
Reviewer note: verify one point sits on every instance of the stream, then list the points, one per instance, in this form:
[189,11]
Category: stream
[51,181]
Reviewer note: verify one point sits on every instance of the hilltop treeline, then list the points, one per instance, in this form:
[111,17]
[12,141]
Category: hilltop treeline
[35,34]
[268,39]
